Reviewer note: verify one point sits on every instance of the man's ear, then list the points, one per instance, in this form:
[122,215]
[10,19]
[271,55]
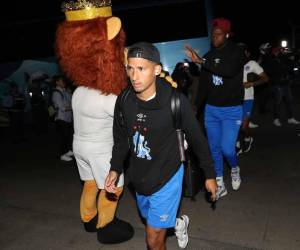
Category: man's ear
[227,35]
[113,27]
[157,69]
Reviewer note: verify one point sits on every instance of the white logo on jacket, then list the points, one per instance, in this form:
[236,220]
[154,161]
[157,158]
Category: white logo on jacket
[217,80]
[141,117]
[140,146]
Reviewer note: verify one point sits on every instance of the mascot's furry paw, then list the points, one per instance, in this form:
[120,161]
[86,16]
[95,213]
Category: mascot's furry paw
[90,226]
[115,232]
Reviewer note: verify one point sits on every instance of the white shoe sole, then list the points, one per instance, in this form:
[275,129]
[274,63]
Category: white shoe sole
[236,187]
[222,194]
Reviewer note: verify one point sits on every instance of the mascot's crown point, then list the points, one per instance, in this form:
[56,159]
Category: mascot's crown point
[86,9]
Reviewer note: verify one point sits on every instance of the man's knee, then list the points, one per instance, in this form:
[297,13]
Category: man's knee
[155,238]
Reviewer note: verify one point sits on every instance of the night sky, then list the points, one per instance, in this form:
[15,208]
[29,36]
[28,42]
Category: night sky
[255,22]
[28,31]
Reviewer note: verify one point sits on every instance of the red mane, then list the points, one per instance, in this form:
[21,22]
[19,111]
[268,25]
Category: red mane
[88,58]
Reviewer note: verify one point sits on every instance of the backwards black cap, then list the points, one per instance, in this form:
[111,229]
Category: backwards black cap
[144,50]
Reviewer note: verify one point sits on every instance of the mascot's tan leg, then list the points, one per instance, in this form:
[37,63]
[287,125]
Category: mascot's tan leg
[109,228]
[107,205]
[88,205]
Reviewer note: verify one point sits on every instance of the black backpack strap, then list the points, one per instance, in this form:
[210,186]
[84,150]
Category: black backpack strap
[123,96]
[175,108]
[176,115]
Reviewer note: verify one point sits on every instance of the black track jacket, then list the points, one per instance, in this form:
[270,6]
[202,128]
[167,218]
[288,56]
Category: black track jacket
[149,129]
[223,70]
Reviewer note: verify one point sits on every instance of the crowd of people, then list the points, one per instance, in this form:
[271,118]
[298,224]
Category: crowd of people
[42,92]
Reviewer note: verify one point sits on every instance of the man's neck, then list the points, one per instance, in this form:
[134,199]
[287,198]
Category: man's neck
[148,93]
[222,45]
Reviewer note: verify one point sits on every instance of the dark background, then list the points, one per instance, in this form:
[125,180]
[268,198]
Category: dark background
[28,27]
[255,22]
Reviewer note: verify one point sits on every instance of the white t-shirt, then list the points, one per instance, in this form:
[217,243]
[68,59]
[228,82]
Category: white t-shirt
[251,67]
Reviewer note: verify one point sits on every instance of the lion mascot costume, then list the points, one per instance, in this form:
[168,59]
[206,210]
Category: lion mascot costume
[90,48]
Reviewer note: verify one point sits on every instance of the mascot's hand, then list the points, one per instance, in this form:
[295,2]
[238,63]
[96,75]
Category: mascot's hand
[110,182]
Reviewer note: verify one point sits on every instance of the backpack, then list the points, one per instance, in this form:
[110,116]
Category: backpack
[52,110]
[193,180]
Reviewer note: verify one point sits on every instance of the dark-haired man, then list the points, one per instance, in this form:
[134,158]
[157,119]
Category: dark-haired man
[156,170]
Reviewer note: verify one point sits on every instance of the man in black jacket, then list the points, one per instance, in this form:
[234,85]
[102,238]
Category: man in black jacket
[279,67]
[222,68]
[156,170]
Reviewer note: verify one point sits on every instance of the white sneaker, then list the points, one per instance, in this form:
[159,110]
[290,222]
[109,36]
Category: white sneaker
[277,123]
[239,151]
[221,191]
[247,144]
[70,153]
[293,121]
[181,233]
[238,148]
[235,178]
[253,125]
[65,158]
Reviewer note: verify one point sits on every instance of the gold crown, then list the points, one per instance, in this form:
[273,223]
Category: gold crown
[86,9]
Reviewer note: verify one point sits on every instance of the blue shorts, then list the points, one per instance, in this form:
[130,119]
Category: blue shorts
[247,108]
[160,208]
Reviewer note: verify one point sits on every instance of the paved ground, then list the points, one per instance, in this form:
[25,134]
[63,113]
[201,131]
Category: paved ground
[39,198]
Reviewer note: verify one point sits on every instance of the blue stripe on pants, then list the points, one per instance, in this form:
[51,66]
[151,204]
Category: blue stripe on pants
[222,126]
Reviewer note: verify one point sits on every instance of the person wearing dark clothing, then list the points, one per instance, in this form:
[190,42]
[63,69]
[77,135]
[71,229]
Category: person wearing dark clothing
[222,69]
[61,99]
[279,67]
[263,95]
[38,105]
[147,132]
[182,77]
[14,104]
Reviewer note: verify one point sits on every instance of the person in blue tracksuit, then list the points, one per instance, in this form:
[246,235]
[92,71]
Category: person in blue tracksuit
[222,68]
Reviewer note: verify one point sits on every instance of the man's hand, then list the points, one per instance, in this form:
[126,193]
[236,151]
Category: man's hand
[211,186]
[110,182]
[192,54]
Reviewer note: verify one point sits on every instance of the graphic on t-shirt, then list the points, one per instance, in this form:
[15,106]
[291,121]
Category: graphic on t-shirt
[217,80]
[140,146]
